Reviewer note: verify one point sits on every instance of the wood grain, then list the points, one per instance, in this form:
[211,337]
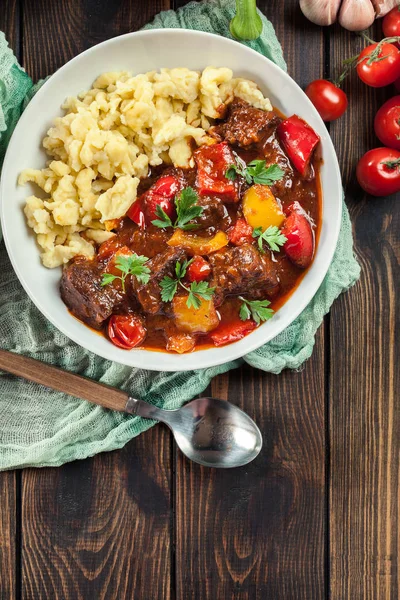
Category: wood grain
[10,517]
[258,532]
[97,528]
[55,32]
[62,381]
[8,531]
[100,528]
[364,374]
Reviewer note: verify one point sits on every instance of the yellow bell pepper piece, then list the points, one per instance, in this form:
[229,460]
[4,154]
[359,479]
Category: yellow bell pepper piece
[192,320]
[261,209]
[196,245]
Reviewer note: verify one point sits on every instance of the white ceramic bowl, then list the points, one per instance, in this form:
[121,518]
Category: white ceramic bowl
[140,52]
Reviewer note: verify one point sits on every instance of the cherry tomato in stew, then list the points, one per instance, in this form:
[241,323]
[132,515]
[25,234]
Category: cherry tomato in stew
[387,123]
[241,233]
[126,331]
[299,141]
[199,269]
[379,68]
[378,172]
[329,100]
[391,23]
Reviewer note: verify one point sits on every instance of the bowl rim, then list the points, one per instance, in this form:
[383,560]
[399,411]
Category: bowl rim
[210,357]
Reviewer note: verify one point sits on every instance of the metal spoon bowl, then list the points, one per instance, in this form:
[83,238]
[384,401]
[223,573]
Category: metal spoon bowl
[211,432]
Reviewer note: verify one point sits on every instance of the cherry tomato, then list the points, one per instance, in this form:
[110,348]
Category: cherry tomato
[199,269]
[379,70]
[161,193]
[391,23]
[136,214]
[378,172]
[329,100]
[299,245]
[387,123]
[126,331]
[241,233]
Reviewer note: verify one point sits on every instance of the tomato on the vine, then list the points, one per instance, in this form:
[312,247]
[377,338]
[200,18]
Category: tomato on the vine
[126,331]
[391,23]
[378,172]
[329,100]
[378,67]
[387,123]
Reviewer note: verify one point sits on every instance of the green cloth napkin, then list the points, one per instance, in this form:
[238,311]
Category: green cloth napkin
[41,427]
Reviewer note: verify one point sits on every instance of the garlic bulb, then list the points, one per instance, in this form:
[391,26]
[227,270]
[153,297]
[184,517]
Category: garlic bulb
[321,12]
[356,15]
[382,7]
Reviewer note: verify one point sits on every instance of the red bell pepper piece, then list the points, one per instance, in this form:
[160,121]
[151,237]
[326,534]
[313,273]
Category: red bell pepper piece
[241,233]
[299,246]
[212,163]
[136,214]
[299,141]
[231,332]
[161,193]
[198,270]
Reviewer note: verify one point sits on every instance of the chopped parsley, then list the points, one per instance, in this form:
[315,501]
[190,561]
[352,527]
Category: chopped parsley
[131,264]
[198,290]
[186,210]
[255,309]
[255,171]
[271,236]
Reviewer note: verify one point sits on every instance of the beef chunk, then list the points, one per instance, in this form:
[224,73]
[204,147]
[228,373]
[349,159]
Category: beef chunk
[215,215]
[149,294]
[242,270]
[86,298]
[245,124]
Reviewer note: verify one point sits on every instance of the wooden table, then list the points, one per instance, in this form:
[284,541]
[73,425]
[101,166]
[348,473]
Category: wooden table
[316,515]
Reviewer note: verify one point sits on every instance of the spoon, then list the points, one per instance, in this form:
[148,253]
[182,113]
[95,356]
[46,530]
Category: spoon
[211,432]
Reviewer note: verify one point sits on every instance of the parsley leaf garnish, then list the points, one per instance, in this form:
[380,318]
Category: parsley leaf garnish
[186,210]
[198,290]
[272,236]
[255,171]
[131,264]
[255,309]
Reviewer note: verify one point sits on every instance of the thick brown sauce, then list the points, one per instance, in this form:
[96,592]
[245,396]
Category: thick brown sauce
[292,187]
[309,194]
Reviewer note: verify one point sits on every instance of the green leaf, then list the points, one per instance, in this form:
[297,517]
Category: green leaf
[187,208]
[163,221]
[193,300]
[181,268]
[272,236]
[244,312]
[268,176]
[231,172]
[257,308]
[108,278]
[168,288]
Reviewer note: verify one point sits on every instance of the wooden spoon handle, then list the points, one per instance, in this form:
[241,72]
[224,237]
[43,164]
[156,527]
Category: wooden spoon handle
[63,381]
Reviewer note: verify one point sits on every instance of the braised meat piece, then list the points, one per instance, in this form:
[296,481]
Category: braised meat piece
[149,294]
[215,215]
[242,270]
[86,298]
[245,124]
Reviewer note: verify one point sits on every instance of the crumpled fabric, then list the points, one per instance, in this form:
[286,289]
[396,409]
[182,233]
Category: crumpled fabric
[41,427]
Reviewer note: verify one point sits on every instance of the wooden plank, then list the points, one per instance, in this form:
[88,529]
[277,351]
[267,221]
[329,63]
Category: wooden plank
[364,375]
[258,532]
[98,528]
[55,32]
[8,535]
[9,481]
